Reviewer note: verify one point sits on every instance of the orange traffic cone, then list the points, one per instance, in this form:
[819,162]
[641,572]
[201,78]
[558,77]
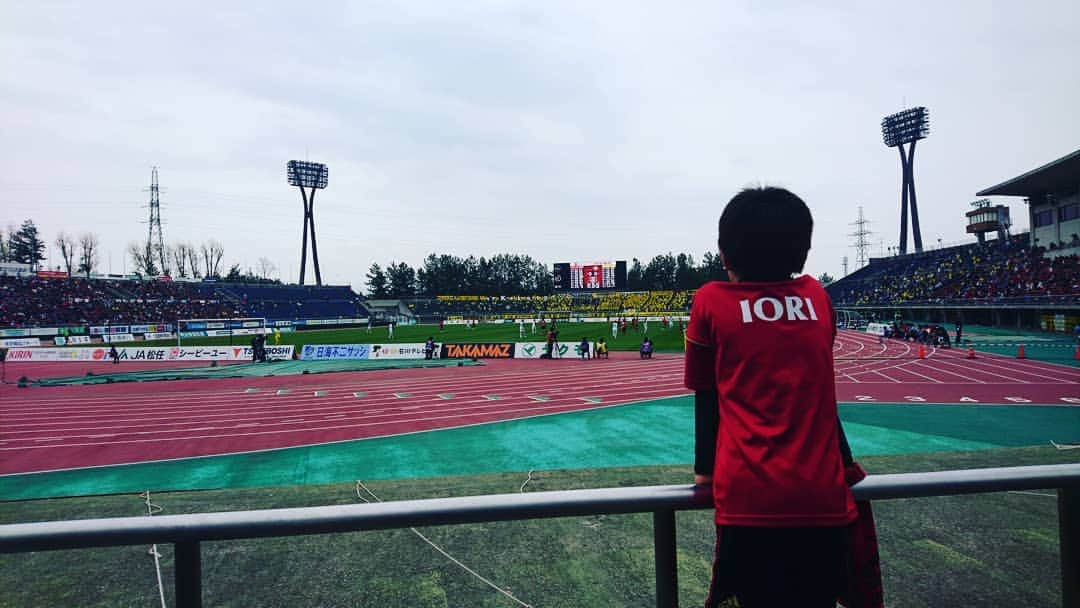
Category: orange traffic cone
[971,352]
[1020,352]
[922,351]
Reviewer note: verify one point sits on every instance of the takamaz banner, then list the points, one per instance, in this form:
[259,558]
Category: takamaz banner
[486,350]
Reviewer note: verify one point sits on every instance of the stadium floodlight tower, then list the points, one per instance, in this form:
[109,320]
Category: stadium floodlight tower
[313,176]
[907,127]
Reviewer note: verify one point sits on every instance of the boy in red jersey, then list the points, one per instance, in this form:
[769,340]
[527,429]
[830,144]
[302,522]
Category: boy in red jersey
[759,358]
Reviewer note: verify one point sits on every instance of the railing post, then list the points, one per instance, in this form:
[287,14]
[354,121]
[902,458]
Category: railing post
[667,576]
[1069,531]
[188,574]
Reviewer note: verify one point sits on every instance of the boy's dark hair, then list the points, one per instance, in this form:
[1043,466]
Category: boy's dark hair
[764,234]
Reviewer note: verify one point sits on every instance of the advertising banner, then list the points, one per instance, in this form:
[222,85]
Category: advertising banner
[19,342]
[877,329]
[150,353]
[398,351]
[149,329]
[533,350]
[158,335]
[335,352]
[101,330]
[487,350]
[110,338]
[65,340]
[14,333]
[45,331]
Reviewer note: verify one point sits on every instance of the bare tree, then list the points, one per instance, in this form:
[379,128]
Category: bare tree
[193,259]
[162,260]
[265,268]
[142,257]
[212,252]
[179,257]
[88,253]
[66,245]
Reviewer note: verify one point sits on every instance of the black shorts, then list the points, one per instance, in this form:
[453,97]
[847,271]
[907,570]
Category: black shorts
[766,567]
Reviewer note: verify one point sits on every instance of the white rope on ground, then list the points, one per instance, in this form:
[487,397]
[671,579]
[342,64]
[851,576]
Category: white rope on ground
[360,484]
[1065,446]
[521,490]
[151,509]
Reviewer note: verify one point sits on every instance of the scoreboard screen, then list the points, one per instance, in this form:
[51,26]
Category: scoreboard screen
[589,275]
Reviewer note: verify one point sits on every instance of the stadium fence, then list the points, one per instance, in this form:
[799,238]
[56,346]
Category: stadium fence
[186,532]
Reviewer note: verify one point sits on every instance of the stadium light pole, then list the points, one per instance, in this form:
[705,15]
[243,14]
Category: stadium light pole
[313,176]
[907,127]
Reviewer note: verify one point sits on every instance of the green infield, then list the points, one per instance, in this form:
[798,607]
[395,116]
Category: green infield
[669,339]
[973,550]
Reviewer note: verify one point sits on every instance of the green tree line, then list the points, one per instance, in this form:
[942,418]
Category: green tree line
[515,274]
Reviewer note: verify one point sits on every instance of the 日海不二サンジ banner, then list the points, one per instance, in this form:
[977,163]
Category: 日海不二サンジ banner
[335,352]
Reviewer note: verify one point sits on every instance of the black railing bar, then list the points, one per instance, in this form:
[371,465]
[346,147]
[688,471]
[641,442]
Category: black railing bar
[73,534]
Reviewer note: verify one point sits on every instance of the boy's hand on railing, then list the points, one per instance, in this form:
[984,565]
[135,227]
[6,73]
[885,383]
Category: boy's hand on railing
[702,480]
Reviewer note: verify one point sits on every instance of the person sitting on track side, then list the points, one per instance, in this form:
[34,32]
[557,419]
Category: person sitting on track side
[646,348]
[583,348]
[601,349]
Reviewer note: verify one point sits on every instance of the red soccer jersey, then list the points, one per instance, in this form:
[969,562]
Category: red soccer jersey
[766,348]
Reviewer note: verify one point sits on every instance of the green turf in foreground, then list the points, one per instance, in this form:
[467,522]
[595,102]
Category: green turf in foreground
[975,550]
[656,432]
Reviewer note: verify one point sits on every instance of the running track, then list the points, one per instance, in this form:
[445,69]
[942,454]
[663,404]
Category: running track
[70,427]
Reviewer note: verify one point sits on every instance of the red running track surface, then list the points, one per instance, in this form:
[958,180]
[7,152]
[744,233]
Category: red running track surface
[78,426]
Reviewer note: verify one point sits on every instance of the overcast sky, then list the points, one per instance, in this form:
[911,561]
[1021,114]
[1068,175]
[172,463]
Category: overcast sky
[564,130]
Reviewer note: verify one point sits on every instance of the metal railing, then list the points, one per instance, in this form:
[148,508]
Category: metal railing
[186,532]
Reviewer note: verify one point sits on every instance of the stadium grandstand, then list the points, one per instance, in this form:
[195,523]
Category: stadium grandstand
[1029,280]
[33,301]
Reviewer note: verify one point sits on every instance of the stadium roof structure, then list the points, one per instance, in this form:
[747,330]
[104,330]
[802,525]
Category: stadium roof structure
[1061,175]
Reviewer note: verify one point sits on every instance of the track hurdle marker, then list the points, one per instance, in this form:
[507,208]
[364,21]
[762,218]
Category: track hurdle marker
[539,397]
[971,352]
[282,391]
[1020,352]
[319,394]
[446,396]
[492,397]
[359,394]
[922,351]
[248,391]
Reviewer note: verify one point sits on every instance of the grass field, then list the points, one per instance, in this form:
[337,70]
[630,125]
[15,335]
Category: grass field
[979,550]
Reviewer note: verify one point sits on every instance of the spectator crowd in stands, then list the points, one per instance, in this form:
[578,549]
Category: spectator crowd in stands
[992,271]
[34,301]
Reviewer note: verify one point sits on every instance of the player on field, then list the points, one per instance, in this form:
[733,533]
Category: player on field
[768,439]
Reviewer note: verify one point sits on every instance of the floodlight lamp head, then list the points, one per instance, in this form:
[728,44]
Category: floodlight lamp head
[905,126]
[307,175]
